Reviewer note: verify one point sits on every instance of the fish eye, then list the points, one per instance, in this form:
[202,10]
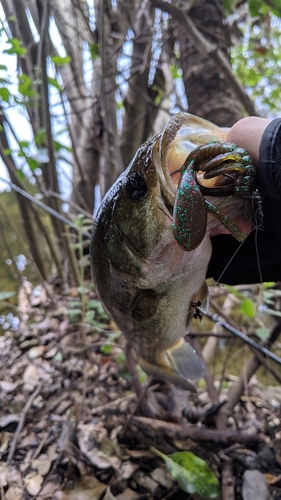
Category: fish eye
[135,186]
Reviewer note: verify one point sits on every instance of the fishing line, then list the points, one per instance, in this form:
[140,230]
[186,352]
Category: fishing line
[258,225]
[230,260]
[48,209]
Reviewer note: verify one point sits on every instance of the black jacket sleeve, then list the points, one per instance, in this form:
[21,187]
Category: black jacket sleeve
[259,257]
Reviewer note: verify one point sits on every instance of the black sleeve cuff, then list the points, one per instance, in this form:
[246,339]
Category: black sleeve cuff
[269,168]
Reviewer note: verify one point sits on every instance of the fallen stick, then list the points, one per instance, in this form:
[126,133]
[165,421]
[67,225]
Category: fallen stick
[227,481]
[183,431]
[22,421]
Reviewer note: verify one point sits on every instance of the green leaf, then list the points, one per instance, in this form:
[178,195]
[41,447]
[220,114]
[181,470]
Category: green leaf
[23,144]
[192,473]
[262,333]
[269,284]
[3,67]
[25,86]
[229,5]
[55,83]
[20,175]
[106,349]
[142,376]
[6,295]
[235,292]
[61,60]
[112,336]
[74,303]
[94,50]
[272,311]
[40,137]
[175,72]
[94,304]
[247,308]
[58,356]
[16,47]
[75,246]
[33,164]
[4,94]
[59,146]
[89,316]
[276,4]
[120,105]
[74,314]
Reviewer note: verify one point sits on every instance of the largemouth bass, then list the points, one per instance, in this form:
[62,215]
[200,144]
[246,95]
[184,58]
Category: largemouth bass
[149,285]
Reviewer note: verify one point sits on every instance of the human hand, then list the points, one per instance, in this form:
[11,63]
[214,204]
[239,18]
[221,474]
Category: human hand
[247,134]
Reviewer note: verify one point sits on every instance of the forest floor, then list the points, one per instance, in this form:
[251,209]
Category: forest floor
[71,425]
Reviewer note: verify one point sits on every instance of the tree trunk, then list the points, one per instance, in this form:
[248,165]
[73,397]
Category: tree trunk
[208,92]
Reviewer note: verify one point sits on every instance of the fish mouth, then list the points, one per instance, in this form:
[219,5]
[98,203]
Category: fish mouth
[181,135]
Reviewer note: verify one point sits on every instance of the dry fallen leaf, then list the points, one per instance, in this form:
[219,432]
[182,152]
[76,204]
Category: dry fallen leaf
[271,479]
[99,449]
[43,463]
[5,420]
[36,352]
[162,476]
[127,494]
[9,475]
[86,488]
[108,495]
[127,470]
[3,474]
[30,378]
[8,386]
[14,493]
[33,482]
[4,442]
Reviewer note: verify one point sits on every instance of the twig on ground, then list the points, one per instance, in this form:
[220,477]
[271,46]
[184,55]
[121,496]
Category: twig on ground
[227,481]
[112,404]
[22,421]
[183,431]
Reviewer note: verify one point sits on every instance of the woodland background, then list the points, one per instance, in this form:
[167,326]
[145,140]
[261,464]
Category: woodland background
[82,85]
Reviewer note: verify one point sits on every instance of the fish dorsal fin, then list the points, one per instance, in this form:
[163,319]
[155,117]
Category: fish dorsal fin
[185,360]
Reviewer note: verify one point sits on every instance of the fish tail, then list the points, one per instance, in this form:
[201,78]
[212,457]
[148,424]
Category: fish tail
[185,360]
[176,365]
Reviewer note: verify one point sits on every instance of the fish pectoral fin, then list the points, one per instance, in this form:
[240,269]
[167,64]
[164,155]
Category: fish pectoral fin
[144,305]
[185,360]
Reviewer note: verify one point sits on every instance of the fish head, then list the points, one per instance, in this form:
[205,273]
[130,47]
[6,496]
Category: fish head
[134,221]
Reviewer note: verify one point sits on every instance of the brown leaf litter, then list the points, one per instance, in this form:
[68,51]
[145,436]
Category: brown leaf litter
[69,427]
